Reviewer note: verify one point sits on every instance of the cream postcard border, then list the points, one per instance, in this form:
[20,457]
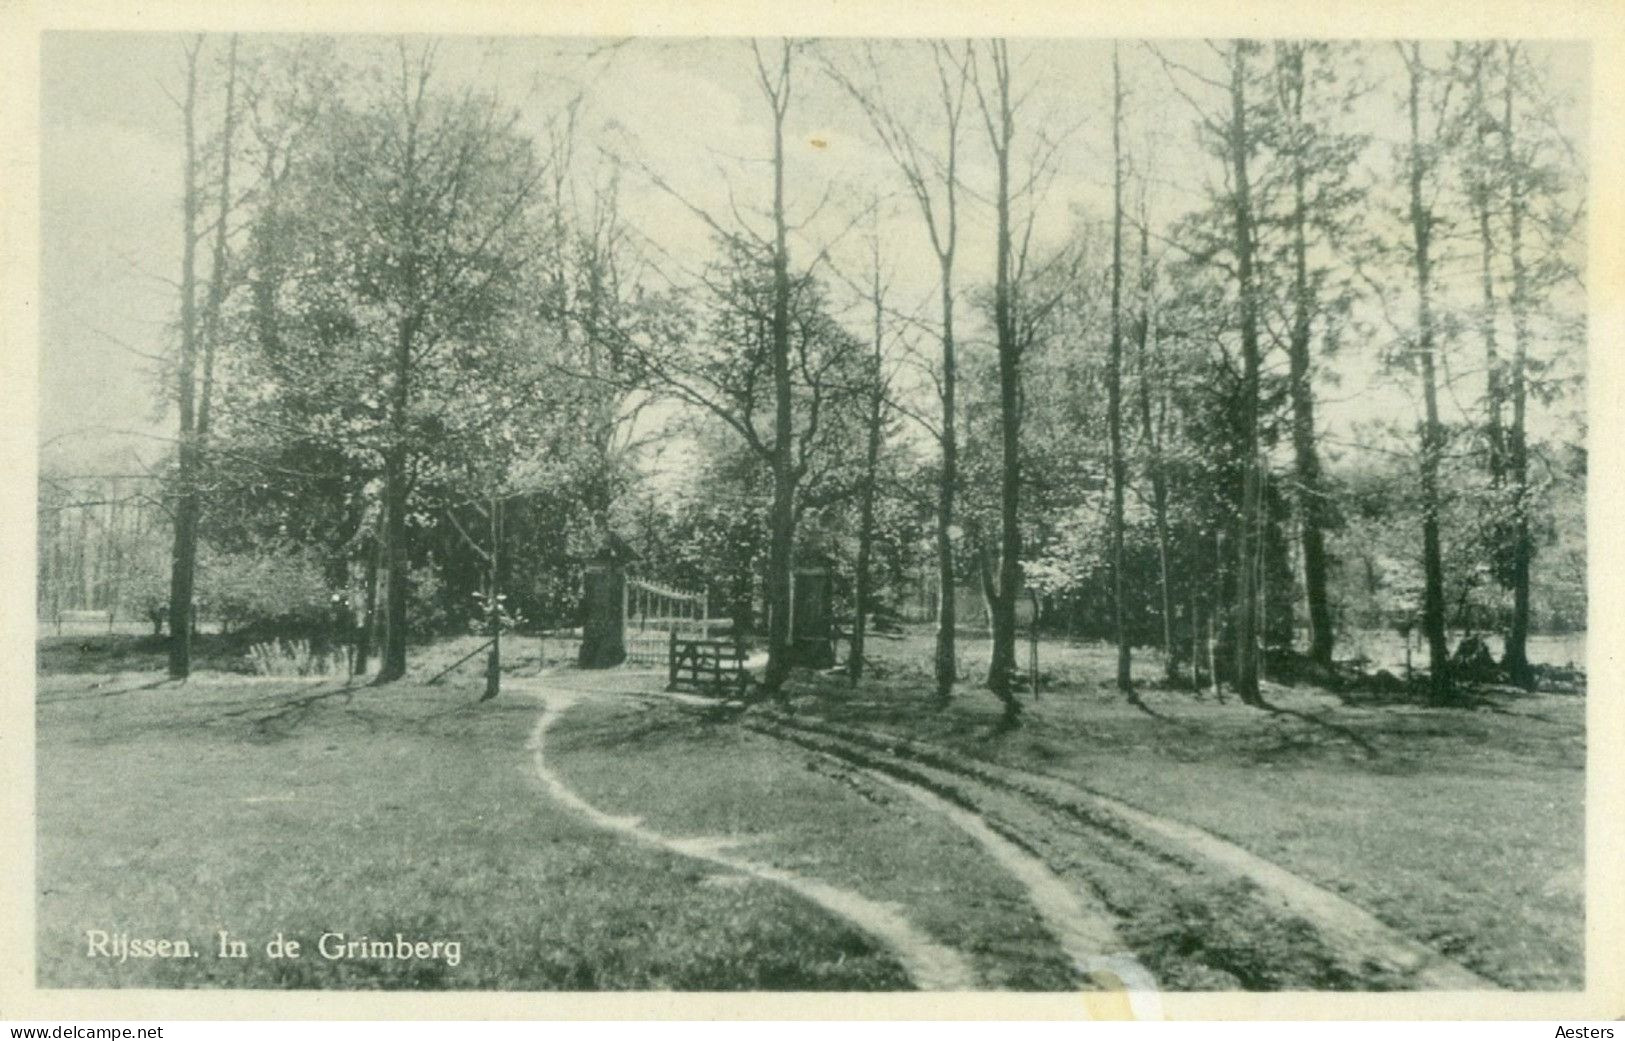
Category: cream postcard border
[1600,22]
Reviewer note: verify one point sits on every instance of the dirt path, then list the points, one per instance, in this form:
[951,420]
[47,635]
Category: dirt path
[1026,805]
[929,964]
[1109,879]
[1081,925]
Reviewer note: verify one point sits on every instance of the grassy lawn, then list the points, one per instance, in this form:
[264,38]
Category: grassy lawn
[175,811]
[303,807]
[99,655]
[1463,828]
[803,813]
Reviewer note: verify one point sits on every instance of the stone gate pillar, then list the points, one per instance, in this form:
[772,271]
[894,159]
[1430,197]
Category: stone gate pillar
[603,624]
[811,616]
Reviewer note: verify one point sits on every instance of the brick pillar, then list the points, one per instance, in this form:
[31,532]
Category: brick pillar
[603,628]
[810,617]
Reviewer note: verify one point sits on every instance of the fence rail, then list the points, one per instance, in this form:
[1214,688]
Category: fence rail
[707,666]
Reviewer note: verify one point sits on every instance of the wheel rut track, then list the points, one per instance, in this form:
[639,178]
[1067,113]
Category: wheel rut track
[1082,834]
[930,965]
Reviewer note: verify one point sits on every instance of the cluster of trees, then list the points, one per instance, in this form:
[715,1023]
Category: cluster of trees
[421,338]
[101,548]
[105,543]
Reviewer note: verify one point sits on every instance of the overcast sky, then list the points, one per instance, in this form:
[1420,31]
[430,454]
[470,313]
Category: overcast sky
[690,110]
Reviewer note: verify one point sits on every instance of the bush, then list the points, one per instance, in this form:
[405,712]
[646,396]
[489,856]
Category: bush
[427,613]
[296,658]
[280,584]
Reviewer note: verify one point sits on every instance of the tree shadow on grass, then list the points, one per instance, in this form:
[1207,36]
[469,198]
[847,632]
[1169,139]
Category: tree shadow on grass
[1133,697]
[152,685]
[1367,749]
[285,713]
[1488,705]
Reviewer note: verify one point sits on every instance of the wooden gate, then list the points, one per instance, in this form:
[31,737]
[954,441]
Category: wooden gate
[707,666]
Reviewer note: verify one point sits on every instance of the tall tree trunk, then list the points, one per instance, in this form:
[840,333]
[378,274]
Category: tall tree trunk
[862,593]
[946,243]
[1195,622]
[781,550]
[1516,657]
[493,605]
[1482,202]
[987,576]
[947,657]
[183,557]
[943,230]
[1114,387]
[1432,440]
[369,610]
[392,665]
[218,272]
[871,463]
[1244,658]
[1311,494]
[1159,478]
[1001,669]
[1277,591]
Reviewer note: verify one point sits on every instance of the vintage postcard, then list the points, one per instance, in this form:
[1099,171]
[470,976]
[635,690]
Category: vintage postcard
[672,511]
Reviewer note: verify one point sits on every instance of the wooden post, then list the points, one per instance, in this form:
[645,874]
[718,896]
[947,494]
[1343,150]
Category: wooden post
[671,661]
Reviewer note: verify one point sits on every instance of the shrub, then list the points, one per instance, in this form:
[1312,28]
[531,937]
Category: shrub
[280,584]
[296,658]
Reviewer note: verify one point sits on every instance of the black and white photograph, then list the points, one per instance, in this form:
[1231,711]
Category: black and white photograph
[734,514]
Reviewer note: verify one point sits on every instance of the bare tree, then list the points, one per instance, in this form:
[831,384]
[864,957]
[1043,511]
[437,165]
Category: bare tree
[199,335]
[781,548]
[1515,659]
[998,106]
[933,181]
[1234,140]
[1153,421]
[1483,159]
[1292,79]
[874,431]
[1114,385]
[771,338]
[1421,160]
[1244,616]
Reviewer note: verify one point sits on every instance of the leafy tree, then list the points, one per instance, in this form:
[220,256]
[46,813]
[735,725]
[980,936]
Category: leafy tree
[404,260]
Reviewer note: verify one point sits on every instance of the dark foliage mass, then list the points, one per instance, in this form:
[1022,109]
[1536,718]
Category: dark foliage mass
[428,367]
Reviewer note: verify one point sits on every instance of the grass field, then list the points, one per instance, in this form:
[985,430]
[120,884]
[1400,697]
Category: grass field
[1463,827]
[259,806]
[175,812]
[812,817]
